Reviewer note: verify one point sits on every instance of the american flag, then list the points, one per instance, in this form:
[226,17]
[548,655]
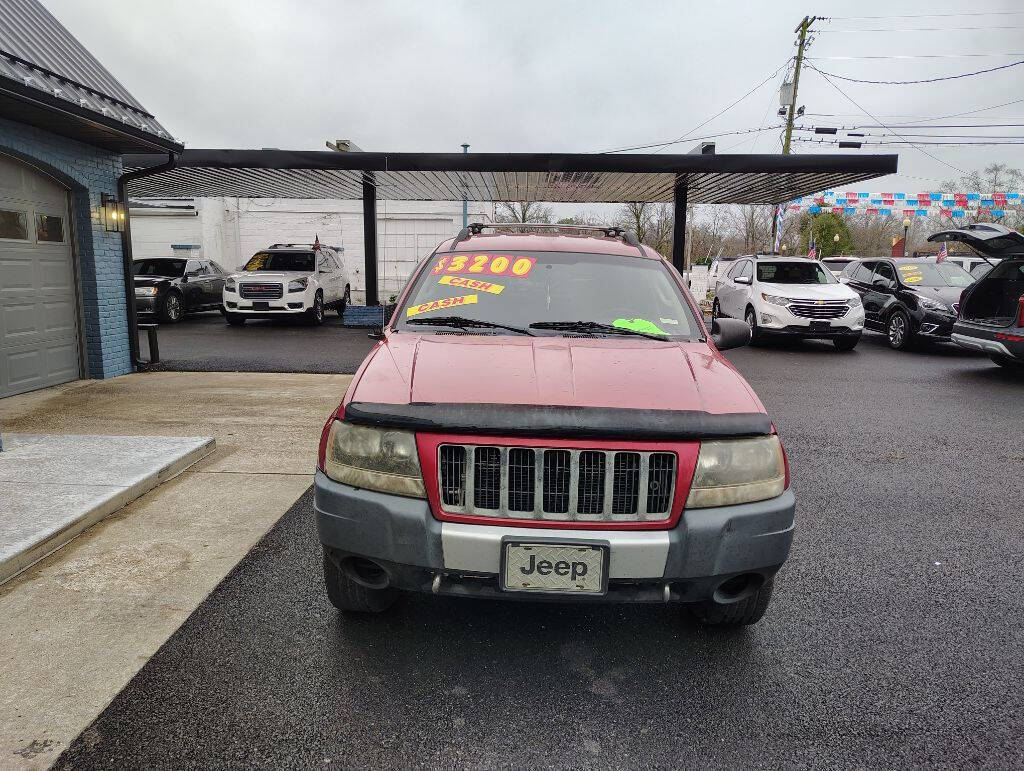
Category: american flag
[812,250]
[316,243]
[943,253]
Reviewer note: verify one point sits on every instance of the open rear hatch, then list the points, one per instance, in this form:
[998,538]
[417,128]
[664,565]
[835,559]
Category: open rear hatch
[995,299]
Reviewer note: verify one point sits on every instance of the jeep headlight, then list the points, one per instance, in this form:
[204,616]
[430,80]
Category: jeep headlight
[735,471]
[298,284]
[782,302]
[854,302]
[374,459]
[145,291]
[933,305]
[229,285]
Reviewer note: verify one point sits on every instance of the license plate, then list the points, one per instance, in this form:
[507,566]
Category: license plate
[554,568]
[820,326]
[261,306]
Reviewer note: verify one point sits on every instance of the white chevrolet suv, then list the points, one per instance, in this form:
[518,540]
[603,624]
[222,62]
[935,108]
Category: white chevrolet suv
[794,297]
[288,280]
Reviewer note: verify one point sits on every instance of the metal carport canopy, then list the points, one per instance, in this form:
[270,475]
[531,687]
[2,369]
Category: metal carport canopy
[552,177]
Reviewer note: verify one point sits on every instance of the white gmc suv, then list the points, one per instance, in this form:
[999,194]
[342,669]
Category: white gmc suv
[288,280]
[790,297]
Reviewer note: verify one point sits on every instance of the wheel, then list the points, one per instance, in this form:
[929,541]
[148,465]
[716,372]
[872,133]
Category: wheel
[716,310]
[1006,361]
[898,331]
[344,301]
[315,315]
[234,319]
[350,596]
[172,309]
[751,319]
[747,611]
[847,343]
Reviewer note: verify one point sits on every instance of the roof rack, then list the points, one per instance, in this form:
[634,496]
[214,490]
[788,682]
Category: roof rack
[476,228]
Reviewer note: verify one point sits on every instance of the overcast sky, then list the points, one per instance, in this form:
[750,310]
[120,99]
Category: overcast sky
[545,75]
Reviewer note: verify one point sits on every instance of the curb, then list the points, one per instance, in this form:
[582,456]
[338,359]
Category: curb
[55,539]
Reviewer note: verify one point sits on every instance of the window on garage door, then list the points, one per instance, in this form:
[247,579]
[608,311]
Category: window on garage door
[50,228]
[13,224]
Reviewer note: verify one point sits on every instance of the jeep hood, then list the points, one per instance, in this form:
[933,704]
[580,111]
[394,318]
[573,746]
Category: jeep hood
[557,371]
[259,276]
[808,291]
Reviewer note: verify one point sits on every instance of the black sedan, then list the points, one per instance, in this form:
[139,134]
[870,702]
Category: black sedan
[170,287]
[908,300]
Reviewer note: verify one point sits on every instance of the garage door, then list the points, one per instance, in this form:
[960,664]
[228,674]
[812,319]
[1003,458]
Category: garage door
[405,242]
[39,341]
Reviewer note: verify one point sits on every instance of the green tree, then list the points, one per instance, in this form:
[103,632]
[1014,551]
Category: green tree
[825,227]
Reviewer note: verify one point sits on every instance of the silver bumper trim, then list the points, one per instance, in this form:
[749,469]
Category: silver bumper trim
[477,548]
[978,344]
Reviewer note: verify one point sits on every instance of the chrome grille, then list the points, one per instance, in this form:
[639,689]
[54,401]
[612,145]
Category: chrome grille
[818,309]
[556,484]
[260,291]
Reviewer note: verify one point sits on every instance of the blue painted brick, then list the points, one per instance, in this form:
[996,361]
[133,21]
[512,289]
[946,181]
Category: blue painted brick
[88,172]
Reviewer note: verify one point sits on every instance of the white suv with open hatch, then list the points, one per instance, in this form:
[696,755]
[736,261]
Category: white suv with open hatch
[790,296]
[288,280]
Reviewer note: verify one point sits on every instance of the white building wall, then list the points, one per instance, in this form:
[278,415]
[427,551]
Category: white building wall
[230,230]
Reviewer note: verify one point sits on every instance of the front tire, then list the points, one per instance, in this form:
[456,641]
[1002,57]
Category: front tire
[898,331]
[351,597]
[172,309]
[315,315]
[847,343]
[747,611]
[345,299]
[751,318]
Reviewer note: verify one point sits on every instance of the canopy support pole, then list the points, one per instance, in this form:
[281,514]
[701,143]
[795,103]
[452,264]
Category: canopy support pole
[681,191]
[370,237]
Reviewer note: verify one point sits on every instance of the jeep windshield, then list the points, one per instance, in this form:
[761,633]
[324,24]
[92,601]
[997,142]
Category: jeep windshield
[552,294]
[297,261]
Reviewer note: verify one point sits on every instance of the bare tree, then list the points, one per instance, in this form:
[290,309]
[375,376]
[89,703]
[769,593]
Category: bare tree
[752,227]
[994,178]
[872,234]
[635,216]
[523,211]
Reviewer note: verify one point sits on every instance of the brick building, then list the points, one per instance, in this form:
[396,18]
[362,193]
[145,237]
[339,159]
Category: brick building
[65,122]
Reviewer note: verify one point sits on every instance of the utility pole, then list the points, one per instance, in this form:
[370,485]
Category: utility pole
[802,28]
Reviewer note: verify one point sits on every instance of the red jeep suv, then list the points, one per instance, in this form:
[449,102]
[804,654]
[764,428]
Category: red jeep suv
[547,417]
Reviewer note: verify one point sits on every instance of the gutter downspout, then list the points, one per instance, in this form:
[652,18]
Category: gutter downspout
[126,252]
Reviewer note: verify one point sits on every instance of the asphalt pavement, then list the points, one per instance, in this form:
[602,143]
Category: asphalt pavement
[203,342]
[894,639]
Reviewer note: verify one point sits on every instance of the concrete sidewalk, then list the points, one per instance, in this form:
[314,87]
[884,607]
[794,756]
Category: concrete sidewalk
[80,623]
[54,487]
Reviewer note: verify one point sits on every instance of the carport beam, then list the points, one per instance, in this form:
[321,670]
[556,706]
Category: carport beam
[680,191]
[370,237]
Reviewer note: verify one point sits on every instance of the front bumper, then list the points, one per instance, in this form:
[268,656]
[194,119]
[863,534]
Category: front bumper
[778,320]
[145,304]
[289,304]
[420,553]
[935,326]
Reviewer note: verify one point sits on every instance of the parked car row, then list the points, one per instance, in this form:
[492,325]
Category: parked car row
[977,302]
[291,280]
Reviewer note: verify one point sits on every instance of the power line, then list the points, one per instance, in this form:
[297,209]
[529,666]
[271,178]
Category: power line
[858,126]
[923,29]
[691,139]
[857,105]
[915,82]
[911,56]
[906,142]
[687,136]
[920,118]
[929,15]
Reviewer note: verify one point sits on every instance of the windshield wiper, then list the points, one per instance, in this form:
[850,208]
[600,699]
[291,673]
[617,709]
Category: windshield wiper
[593,326]
[465,323]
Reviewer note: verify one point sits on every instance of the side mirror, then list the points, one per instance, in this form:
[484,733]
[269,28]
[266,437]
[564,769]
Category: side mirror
[377,333]
[743,279]
[730,333]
